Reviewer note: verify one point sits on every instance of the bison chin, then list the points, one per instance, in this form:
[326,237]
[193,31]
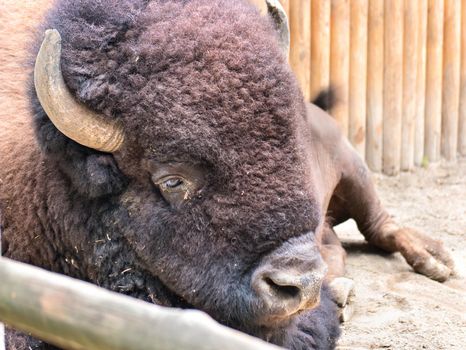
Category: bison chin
[294,309]
[318,328]
[276,295]
[282,300]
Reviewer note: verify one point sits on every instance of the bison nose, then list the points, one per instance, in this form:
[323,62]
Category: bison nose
[288,282]
[286,292]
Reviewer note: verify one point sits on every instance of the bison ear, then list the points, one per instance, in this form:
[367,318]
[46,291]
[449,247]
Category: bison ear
[94,175]
[280,19]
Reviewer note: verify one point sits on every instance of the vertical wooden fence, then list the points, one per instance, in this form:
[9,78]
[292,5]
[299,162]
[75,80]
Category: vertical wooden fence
[399,69]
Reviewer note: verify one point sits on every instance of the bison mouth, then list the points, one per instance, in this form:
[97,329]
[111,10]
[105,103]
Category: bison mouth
[296,331]
[301,329]
[139,284]
[245,309]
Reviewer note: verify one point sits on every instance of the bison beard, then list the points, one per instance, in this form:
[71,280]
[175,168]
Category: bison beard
[198,82]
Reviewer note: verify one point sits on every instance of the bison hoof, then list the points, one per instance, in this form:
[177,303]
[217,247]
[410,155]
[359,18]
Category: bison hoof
[343,293]
[426,255]
[345,313]
[433,269]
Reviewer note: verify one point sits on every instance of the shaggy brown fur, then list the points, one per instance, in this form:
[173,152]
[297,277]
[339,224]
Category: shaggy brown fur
[15,35]
[195,82]
[198,85]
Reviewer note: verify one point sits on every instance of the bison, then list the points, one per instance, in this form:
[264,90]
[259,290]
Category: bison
[172,157]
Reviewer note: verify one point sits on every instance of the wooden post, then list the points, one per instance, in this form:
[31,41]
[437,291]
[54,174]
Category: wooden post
[410,62]
[393,85]
[300,32]
[462,111]
[433,116]
[339,60]
[76,315]
[420,83]
[374,122]
[358,77]
[320,46]
[451,78]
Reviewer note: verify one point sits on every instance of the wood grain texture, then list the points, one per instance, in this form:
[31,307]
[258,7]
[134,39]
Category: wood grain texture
[393,85]
[300,53]
[451,78]
[320,46]
[339,60]
[420,83]
[433,112]
[358,75]
[374,122]
[410,63]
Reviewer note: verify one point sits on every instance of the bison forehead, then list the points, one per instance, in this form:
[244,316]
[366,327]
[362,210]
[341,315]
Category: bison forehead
[180,70]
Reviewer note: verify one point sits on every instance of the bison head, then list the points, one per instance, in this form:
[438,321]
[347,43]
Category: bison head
[180,132]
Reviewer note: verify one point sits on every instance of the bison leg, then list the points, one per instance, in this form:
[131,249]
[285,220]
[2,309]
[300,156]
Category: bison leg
[333,254]
[355,197]
[342,288]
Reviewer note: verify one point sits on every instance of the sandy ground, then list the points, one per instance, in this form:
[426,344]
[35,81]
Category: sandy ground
[396,308]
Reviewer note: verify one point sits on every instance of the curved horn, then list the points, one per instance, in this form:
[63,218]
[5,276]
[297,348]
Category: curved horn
[68,115]
[278,14]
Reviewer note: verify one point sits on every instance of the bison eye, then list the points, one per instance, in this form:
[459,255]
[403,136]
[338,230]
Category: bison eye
[174,188]
[172,183]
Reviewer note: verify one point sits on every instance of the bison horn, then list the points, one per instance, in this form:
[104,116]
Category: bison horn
[69,116]
[278,14]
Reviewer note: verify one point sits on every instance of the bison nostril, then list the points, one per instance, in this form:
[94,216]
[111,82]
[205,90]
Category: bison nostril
[283,291]
[286,292]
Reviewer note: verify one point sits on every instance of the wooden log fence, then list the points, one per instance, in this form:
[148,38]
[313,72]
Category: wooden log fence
[399,70]
[320,46]
[451,78]
[410,65]
[76,315]
[339,60]
[300,36]
[420,84]
[375,73]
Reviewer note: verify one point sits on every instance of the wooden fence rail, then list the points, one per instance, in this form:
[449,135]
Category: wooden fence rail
[399,67]
[76,315]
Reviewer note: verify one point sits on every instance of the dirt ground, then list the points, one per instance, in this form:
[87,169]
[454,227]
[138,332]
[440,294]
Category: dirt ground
[396,308]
